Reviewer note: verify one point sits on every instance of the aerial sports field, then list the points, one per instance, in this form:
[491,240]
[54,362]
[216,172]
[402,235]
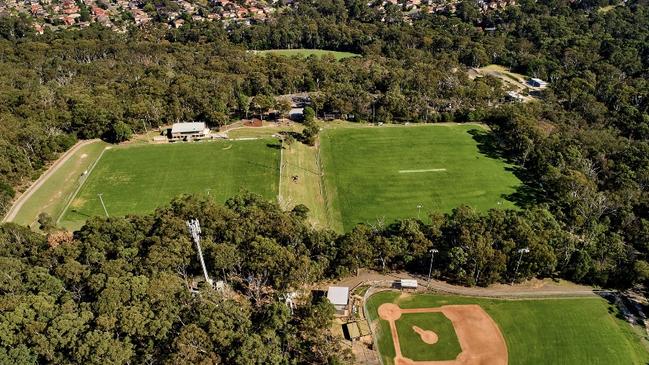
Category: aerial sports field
[381,174]
[356,174]
[428,329]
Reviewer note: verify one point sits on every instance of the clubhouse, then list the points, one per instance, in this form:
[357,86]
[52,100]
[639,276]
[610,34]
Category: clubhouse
[190,131]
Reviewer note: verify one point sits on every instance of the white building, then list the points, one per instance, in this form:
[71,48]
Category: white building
[537,82]
[188,131]
[339,297]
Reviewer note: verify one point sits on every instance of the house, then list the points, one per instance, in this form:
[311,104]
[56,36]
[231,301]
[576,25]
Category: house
[68,20]
[537,82]
[179,23]
[339,297]
[188,131]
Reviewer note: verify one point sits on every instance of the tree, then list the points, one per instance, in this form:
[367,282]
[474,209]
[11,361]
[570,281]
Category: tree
[283,105]
[309,115]
[45,222]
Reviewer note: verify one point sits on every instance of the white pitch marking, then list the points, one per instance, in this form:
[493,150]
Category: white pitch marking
[416,171]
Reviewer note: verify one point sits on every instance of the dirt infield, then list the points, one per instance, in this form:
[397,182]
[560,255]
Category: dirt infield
[479,336]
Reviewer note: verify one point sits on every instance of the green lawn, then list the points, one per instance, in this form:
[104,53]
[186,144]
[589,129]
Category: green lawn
[138,179]
[301,52]
[447,346]
[387,172]
[547,331]
[54,193]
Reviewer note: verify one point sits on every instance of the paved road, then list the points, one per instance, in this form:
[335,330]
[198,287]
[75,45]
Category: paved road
[18,203]
[530,289]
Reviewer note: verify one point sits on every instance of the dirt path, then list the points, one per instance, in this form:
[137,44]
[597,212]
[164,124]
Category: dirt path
[530,289]
[18,203]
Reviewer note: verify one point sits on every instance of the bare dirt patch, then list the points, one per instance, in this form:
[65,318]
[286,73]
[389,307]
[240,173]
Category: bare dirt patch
[78,202]
[84,156]
[479,336]
[389,312]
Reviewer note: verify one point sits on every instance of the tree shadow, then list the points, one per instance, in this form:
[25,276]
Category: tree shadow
[78,212]
[529,192]
[276,146]
[487,144]
[297,136]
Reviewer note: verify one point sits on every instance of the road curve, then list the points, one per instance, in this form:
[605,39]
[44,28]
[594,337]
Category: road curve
[18,203]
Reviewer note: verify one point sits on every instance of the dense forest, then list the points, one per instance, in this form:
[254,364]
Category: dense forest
[582,153]
[119,292]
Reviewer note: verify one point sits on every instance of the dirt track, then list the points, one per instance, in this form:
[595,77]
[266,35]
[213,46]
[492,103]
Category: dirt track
[529,289]
[479,336]
[18,203]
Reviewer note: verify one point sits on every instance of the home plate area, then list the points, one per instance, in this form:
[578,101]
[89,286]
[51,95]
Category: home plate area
[480,340]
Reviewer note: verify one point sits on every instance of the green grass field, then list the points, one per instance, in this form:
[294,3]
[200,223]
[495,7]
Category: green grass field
[301,52]
[138,179]
[447,346]
[53,194]
[543,331]
[386,172]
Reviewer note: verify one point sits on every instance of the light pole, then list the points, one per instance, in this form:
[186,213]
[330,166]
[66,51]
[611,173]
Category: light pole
[419,206]
[101,199]
[433,251]
[520,257]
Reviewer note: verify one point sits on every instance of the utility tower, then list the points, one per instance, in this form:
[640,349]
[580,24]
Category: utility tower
[195,231]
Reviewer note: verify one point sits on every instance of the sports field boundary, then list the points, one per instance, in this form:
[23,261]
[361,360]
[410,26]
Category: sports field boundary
[336,224]
[20,201]
[280,199]
[81,184]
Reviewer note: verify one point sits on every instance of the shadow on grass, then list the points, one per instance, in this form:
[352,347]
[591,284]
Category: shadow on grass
[528,193]
[265,167]
[80,213]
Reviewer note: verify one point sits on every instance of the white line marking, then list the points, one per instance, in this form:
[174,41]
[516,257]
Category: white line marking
[416,171]
[81,183]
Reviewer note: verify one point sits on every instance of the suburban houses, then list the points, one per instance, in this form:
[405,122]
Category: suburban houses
[120,14]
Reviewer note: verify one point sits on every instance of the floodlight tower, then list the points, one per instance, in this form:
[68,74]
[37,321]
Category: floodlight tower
[195,231]
[520,257]
[432,251]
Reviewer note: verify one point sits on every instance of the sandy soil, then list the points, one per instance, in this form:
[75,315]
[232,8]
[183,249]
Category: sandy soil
[479,336]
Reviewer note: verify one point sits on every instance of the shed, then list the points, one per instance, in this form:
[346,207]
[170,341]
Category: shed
[537,82]
[339,297]
[296,114]
[352,330]
[408,283]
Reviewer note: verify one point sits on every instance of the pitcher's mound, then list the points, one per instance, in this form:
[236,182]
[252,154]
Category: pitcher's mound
[428,337]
